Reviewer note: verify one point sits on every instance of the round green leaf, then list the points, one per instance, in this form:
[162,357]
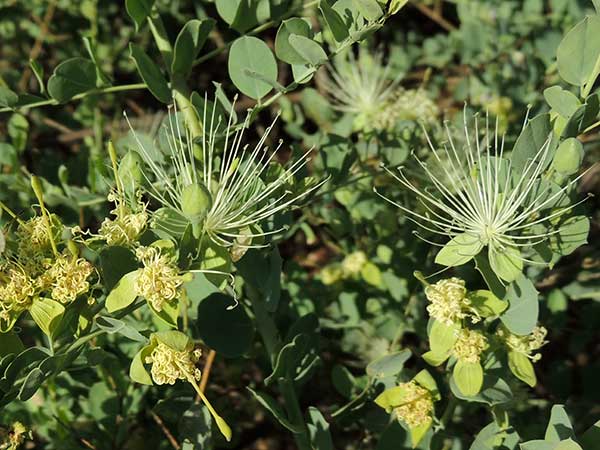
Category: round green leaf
[506,262]
[46,313]
[459,250]
[251,54]
[578,53]
[442,337]
[225,328]
[522,315]
[486,303]
[310,51]
[123,294]
[468,377]
[388,365]
[283,48]
[71,77]
[572,234]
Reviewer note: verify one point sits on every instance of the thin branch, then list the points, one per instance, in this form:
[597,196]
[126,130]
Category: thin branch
[207,367]
[437,18]
[165,430]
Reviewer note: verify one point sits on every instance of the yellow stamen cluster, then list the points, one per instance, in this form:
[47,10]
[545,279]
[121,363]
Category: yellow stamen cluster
[448,300]
[34,238]
[127,225]
[12,438]
[405,104]
[69,278]
[16,294]
[469,346]
[417,407]
[159,280]
[170,365]
[527,344]
[354,262]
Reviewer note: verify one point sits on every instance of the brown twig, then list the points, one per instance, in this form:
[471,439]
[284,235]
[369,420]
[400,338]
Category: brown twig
[207,367]
[165,430]
[87,444]
[437,18]
[37,46]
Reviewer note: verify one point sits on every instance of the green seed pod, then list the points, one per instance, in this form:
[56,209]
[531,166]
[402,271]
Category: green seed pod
[568,157]
[195,202]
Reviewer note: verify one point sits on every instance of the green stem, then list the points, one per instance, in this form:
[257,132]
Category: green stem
[52,102]
[270,336]
[448,412]
[294,412]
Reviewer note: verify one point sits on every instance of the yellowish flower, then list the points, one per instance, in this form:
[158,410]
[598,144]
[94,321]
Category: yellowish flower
[469,346]
[354,262]
[127,225]
[448,300]
[159,280]
[527,344]
[16,294]
[417,408]
[170,365]
[69,278]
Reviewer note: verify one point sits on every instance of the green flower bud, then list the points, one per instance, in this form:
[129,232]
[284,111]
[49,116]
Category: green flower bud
[195,202]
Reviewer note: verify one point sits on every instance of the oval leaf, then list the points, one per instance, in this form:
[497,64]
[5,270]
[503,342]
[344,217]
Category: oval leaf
[151,74]
[252,54]
[461,249]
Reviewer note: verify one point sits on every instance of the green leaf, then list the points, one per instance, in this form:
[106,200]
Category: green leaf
[271,405]
[418,433]
[137,371]
[435,358]
[459,250]
[115,262]
[568,157]
[318,429]
[7,97]
[310,51]
[591,438]
[388,365]
[392,398]
[482,264]
[38,71]
[371,274]
[138,10]
[252,54]
[568,444]
[522,314]
[468,377]
[32,382]
[506,262]
[442,337]
[124,293]
[521,367]
[10,343]
[151,74]
[486,303]
[578,53]
[112,325]
[174,339]
[263,272]
[534,135]
[334,21]
[424,379]
[572,234]
[370,9]
[562,101]
[395,6]
[71,77]
[188,44]
[495,391]
[46,314]
[168,313]
[283,48]
[559,426]
[218,312]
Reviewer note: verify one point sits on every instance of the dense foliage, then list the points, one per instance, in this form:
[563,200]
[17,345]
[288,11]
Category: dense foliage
[329,224]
